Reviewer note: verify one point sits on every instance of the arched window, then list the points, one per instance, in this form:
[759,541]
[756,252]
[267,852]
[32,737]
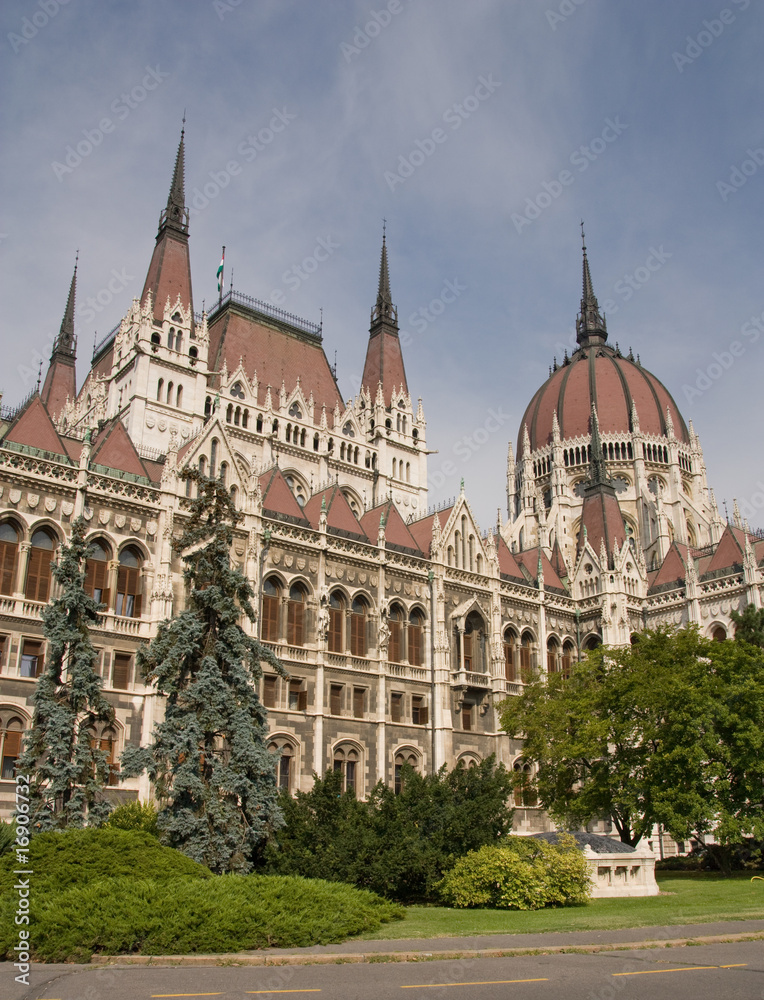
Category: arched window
[416,639]
[474,630]
[526,658]
[193,352]
[106,740]
[179,396]
[202,465]
[525,794]
[237,416]
[395,621]
[346,761]
[245,418]
[160,386]
[259,424]
[510,665]
[566,664]
[358,610]
[156,340]
[285,765]
[229,413]
[171,338]
[552,656]
[403,757]
[9,551]
[315,442]
[223,472]
[233,491]
[336,616]
[12,727]
[38,570]
[128,603]
[97,572]
[271,600]
[719,634]
[296,615]
[213,457]
[170,386]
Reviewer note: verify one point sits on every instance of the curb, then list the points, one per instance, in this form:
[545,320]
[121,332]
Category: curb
[234,959]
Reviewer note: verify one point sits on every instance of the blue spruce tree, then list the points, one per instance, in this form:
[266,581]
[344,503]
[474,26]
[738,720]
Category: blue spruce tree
[67,769]
[212,772]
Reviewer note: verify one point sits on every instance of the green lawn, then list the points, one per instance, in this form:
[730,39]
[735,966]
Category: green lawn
[686,898]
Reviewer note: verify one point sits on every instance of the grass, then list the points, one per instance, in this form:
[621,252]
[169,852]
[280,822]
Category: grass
[686,898]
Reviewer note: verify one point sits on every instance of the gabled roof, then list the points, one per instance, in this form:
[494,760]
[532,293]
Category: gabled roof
[384,357]
[729,551]
[422,530]
[113,449]
[508,565]
[529,559]
[33,428]
[397,532]
[340,518]
[602,518]
[558,561]
[278,499]
[673,569]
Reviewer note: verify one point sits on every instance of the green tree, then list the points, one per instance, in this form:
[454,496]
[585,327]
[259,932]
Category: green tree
[669,730]
[749,626]
[212,771]
[67,770]
[398,845]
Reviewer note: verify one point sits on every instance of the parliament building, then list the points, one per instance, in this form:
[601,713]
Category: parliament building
[401,626]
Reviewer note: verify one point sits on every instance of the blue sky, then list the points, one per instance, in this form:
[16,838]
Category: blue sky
[495,100]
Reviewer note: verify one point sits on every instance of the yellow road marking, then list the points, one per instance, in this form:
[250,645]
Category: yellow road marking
[689,968]
[153,995]
[487,982]
[282,991]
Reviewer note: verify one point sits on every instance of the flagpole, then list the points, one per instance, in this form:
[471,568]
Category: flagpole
[220,278]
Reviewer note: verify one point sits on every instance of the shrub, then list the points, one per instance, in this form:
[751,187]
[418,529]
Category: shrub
[184,916]
[134,816]
[75,857]
[521,874]
[7,837]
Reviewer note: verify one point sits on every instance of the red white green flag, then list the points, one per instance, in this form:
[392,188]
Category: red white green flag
[220,272]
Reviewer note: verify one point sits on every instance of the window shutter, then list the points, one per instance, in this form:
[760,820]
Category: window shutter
[270,618]
[8,552]
[302,701]
[121,670]
[394,654]
[335,630]
[358,635]
[12,745]
[38,574]
[296,623]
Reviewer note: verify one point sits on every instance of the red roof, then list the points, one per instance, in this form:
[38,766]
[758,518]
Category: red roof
[276,353]
[673,568]
[396,530]
[277,497]
[384,363]
[422,530]
[169,273]
[114,449]
[601,516]
[530,560]
[612,383]
[34,428]
[508,565]
[339,514]
[729,551]
[60,384]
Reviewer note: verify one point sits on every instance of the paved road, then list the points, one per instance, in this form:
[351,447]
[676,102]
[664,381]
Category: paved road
[732,971]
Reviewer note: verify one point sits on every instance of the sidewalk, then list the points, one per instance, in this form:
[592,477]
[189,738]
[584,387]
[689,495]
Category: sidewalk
[485,946]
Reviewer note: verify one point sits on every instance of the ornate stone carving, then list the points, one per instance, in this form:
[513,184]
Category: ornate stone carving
[119,520]
[14,496]
[135,524]
[50,503]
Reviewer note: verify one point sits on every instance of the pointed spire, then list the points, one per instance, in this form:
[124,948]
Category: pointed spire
[175,214]
[384,310]
[597,470]
[65,341]
[591,328]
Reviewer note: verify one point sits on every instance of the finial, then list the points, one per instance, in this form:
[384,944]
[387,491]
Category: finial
[590,324]
[39,376]
[461,487]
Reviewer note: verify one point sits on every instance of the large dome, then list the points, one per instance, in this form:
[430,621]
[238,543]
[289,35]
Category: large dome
[599,374]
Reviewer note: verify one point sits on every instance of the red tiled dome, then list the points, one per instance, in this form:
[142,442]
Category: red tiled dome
[601,375]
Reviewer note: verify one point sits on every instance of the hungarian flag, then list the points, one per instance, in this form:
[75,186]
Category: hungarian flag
[220,272]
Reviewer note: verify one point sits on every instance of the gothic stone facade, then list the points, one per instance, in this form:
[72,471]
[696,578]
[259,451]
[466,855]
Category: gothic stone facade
[402,627]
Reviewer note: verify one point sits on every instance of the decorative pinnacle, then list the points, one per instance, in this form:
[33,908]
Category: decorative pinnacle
[597,468]
[175,214]
[65,340]
[590,324]
[384,308]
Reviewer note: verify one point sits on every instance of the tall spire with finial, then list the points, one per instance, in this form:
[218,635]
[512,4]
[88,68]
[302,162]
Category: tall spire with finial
[169,273]
[384,359]
[591,328]
[597,470]
[60,379]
